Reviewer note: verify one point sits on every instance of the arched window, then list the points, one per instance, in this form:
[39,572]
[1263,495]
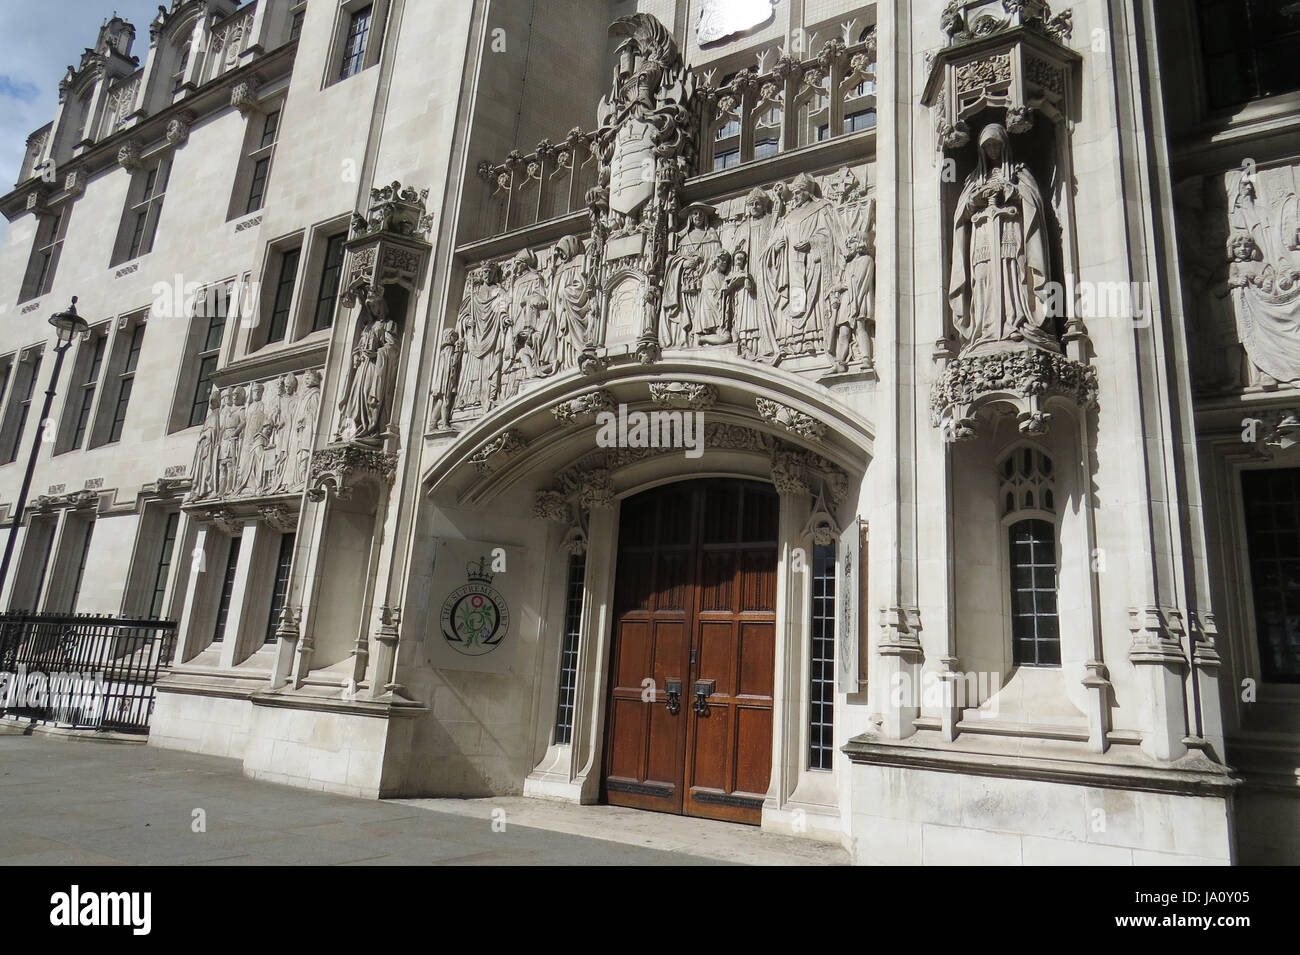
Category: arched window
[1028,496]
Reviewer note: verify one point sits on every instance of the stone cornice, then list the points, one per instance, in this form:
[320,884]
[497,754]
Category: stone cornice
[212,97]
[1196,777]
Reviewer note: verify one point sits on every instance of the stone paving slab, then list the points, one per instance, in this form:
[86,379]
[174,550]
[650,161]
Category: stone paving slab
[82,803]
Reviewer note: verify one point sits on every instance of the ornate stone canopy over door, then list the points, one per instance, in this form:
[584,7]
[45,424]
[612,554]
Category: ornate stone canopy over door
[695,614]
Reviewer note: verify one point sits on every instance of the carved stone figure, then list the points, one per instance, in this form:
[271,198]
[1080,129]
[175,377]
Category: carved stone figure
[855,310]
[231,440]
[450,352]
[755,337]
[800,261]
[1264,280]
[279,475]
[715,317]
[530,346]
[204,470]
[572,298]
[482,327]
[367,399]
[687,265]
[1000,254]
[302,429]
[258,432]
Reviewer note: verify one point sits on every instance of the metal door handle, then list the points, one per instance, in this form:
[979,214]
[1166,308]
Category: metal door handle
[703,690]
[673,692]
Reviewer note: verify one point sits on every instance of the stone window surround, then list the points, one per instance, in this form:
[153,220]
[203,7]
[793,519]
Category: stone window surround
[374,39]
[110,374]
[244,644]
[1233,518]
[187,372]
[572,771]
[76,386]
[251,150]
[312,243]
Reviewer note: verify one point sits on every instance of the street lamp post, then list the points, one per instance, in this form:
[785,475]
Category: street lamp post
[68,326]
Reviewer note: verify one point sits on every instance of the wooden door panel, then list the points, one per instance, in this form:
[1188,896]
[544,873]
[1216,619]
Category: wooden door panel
[695,601]
[757,653]
[753,750]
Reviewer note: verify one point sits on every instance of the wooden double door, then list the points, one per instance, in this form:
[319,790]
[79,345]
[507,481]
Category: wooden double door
[689,715]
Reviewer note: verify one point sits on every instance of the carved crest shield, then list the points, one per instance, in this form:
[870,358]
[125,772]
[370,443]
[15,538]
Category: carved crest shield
[632,169]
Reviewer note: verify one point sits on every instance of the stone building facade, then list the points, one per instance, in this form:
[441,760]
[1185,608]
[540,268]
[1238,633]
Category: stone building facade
[873,421]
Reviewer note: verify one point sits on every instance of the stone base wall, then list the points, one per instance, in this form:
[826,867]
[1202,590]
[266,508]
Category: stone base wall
[904,816]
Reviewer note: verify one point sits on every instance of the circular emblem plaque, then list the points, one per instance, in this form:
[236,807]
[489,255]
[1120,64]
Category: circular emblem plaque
[475,618]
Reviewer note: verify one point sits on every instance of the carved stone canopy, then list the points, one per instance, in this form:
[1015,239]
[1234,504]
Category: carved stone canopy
[1022,380]
[388,244]
[339,469]
[1003,54]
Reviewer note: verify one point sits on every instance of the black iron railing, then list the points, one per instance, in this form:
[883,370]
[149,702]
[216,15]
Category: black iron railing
[84,671]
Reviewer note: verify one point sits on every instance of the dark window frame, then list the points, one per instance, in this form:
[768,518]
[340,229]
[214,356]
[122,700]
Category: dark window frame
[821,660]
[1035,612]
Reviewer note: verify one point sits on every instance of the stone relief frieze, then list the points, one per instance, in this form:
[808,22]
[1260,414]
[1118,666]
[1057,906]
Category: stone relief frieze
[256,440]
[782,275]
[1239,237]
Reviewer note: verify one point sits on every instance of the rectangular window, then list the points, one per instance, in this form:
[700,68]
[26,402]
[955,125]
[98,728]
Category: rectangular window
[283,296]
[280,587]
[821,671]
[1272,503]
[763,148]
[569,650]
[726,159]
[24,408]
[332,273]
[263,152]
[50,232]
[81,566]
[1249,49]
[295,24]
[354,44]
[142,214]
[6,366]
[87,397]
[227,590]
[163,570]
[862,119]
[126,382]
[1035,630]
[206,359]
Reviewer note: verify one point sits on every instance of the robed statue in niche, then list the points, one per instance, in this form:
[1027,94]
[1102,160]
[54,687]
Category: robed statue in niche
[366,406]
[1000,256]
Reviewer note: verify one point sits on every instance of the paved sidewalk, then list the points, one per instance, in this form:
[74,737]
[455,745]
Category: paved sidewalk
[76,802]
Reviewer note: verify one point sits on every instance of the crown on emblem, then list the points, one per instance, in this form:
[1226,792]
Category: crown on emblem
[479,573]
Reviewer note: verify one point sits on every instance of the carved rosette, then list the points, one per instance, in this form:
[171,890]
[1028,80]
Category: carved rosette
[552,506]
[128,155]
[1023,380]
[1001,54]
[796,422]
[178,129]
[243,95]
[341,468]
[684,395]
[487,458]
[584,408]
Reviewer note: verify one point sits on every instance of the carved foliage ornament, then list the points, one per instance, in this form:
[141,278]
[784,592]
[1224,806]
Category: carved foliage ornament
[341,468]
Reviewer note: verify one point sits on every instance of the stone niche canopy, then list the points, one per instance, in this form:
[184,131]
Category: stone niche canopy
[1008,54]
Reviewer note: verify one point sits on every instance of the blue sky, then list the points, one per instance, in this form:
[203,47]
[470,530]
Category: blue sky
[42,40]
